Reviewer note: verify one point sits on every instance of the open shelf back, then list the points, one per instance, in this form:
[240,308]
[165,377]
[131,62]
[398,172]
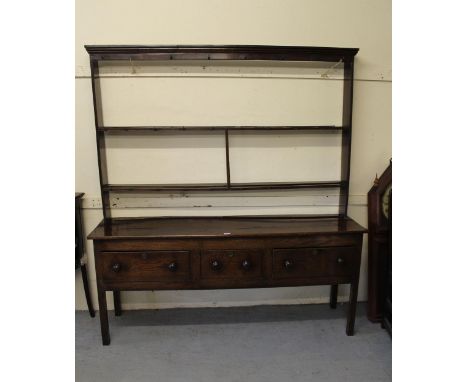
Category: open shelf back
[99,53]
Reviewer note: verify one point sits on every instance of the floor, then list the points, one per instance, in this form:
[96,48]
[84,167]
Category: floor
[263,343]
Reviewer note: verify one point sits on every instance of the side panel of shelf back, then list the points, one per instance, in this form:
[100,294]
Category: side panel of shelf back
[192,158]
[285,157]
[164,158]
[227,203]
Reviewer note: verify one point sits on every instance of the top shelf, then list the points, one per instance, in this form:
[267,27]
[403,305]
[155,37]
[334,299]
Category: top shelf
[220,52]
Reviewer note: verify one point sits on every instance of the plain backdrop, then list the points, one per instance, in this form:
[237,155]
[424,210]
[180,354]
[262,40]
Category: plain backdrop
[429,166]
[211,93]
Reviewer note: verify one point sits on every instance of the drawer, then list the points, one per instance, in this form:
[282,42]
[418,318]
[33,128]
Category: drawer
[315,262]
[231,264]
[145,266]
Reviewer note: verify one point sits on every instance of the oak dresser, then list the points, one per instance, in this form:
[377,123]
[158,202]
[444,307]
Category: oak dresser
[160,253]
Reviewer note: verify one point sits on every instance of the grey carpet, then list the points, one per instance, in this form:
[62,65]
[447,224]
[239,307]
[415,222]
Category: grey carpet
[252,344]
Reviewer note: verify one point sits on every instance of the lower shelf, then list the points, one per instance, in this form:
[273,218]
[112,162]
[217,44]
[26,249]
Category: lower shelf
[141,188]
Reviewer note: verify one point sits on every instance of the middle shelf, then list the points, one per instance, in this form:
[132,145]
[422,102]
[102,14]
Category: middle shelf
[148,129]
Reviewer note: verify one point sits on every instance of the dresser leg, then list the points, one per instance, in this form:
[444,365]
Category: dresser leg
[353,291]
[333,295]
[103,316]
[117,304]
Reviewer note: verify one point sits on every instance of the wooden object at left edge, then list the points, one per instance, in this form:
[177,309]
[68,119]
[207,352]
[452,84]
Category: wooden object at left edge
[80,258]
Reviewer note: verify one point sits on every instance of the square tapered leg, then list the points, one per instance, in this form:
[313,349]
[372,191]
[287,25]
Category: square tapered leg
[103,316]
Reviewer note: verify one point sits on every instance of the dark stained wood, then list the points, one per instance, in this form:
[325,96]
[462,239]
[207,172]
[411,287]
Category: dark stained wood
[310,262]
[339,239]
[80,250]
[333,296]
[79,242]
[145,244]
[223,264]
[387,292]
[223,284]
[117,303]
[228,165]
[285,185]
[100,137]
[224,227]
[346,136]
[89,302]
[219,52]
[256,242]
[139,188]
[143,129]
[353,293]
[225,252]
[103,317]
[145,266]
[378,248]
[216,262]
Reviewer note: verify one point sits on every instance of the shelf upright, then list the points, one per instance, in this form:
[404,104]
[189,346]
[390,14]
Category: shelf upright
[100,138]
[346,134]
[228,164]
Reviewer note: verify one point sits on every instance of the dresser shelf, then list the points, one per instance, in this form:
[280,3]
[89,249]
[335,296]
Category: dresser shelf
[141,188]
[148,129]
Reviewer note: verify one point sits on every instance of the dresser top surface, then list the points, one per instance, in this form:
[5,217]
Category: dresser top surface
[217,227]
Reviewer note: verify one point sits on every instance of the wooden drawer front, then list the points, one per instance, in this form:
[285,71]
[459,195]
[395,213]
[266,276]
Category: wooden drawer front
[231,264]
[313,262]
[145,266]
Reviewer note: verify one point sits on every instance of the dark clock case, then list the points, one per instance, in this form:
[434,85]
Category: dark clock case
[379,221]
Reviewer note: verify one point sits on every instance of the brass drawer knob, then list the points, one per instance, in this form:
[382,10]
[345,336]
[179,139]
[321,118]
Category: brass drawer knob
[288,264]
[172,266]
[216,265]
[246,264]
[116,267]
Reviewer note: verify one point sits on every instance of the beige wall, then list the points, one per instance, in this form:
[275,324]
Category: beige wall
[225,94]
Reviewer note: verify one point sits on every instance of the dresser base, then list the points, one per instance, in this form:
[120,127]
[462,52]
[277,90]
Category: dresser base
[226,253]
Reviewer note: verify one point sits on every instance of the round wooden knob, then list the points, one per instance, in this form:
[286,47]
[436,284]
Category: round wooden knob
[246,264]
[116,267]
[172,267]
[216,265]
[288,264]
[340,260]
